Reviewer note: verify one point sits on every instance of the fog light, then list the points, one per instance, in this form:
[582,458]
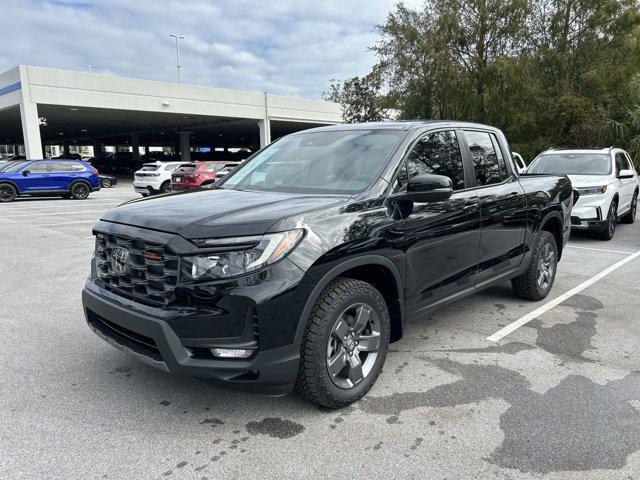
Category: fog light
[232,352]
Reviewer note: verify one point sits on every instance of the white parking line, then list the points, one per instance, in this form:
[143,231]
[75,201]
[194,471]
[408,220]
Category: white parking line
[558,300]
[86,222]
[599,249]
[48,214]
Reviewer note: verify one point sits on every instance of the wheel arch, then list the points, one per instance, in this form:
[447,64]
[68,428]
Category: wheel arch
[79,180]
[552,223]
[13,184]
[361,268]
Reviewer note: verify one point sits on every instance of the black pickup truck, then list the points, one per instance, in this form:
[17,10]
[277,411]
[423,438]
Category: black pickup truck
[301,266]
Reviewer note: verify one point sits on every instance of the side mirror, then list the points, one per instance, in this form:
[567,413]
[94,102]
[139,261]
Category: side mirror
[25,172]
[429,188]
[626,174]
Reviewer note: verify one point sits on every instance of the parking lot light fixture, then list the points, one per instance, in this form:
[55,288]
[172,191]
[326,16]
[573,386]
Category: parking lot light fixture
[179,66]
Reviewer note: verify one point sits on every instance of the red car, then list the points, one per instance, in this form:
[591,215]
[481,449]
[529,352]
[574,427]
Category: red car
[195,175]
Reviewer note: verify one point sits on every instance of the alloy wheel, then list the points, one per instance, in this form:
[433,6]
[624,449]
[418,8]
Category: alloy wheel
[353,345]
[612,219]
[546,267]
[6,193]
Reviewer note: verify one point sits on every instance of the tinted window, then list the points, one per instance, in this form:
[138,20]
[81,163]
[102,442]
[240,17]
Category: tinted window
[61,166]
[77,167]
[334,161]
[621,163]
[149,168]
[488,168]
[38,167]
[571,164]
[437,153]
[187,167]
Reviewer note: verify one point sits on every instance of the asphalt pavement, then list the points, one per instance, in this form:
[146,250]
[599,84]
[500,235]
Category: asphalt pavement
[556,398]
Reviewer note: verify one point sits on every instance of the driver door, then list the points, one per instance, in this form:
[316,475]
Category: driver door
[37,177]
[442,239]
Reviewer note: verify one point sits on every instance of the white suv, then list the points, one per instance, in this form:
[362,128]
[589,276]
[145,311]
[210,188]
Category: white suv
[606,181]
[154,177]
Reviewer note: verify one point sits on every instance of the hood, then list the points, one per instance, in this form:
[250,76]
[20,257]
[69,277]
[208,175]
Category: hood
[582,181]
[217,213]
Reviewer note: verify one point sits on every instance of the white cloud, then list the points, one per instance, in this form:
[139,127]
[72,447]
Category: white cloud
[255,45]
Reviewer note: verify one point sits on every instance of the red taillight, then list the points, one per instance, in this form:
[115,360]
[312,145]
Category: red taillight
[94,171]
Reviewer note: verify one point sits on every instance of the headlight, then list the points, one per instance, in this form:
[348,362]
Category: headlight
[237,256]
[592,190]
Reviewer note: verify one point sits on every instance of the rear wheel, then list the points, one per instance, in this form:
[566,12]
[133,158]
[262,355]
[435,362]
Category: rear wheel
[105,183]
[80,191]
[536,282]
[630,217]
[345,344]
[8,192]
[610,226]
[166,187]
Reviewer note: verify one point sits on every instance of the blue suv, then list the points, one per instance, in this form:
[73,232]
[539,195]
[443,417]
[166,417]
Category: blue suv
[64,178]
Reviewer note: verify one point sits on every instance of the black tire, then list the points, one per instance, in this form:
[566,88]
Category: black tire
[529,285]
[323,341]
[612,219]
[8,193]
[630,216]
[165,187]
[80,190]
[105,183]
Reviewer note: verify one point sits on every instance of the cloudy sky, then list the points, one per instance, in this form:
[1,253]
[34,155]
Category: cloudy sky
[281,46]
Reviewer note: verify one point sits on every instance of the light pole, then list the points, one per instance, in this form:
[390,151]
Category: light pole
[89,67]
[178,38]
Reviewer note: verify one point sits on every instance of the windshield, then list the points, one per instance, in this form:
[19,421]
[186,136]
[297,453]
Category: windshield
[571,164]
[332,162]
[13,166]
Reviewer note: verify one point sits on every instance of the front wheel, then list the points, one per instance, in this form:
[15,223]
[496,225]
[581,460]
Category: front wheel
[345,344]
[610,226]
[535,284]
[630,217]
[8,193]
[80,191]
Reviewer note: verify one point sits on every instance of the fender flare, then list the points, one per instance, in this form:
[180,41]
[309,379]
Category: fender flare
[334,273]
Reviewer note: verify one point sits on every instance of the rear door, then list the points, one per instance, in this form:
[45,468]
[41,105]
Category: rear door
[441,238]
[626,185]
[37,178]
[503,208]
[61,175]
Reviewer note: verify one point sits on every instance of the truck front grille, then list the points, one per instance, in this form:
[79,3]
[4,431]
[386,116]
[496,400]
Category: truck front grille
[148,274]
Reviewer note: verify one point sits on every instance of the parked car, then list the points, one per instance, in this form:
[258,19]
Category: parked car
[154,178]
[189,176]
[64,178]
[606,181]
[303,264]
[228,168]
[108,181]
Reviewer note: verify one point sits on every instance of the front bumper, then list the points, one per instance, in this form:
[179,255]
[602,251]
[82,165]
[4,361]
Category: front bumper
[590,212]
[155,343]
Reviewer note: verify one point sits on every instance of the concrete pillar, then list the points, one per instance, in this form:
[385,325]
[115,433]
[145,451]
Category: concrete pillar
[265,132]
[65,149]
[185,146]
[31,130]
[135,146]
